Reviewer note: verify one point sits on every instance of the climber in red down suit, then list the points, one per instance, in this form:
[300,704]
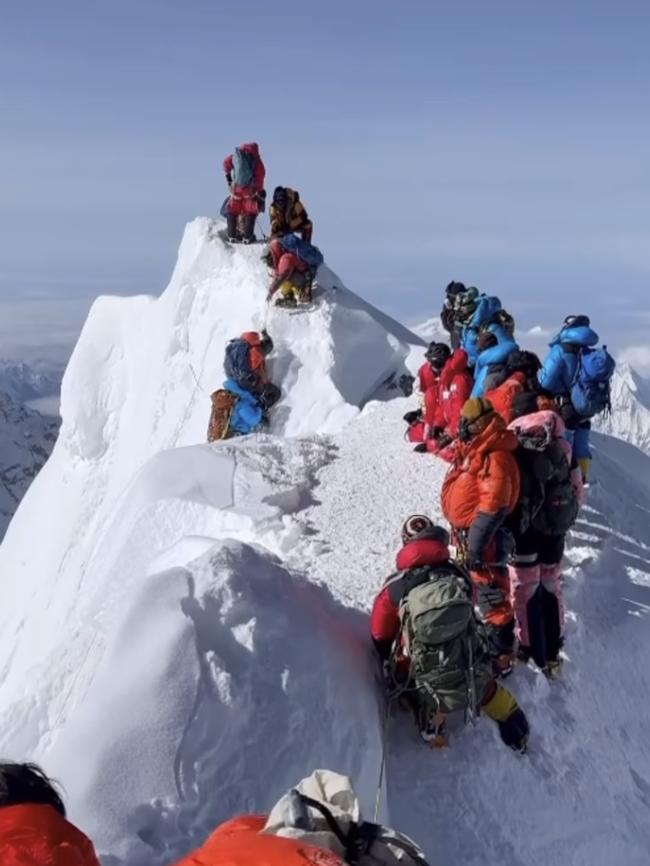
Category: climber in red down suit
[245,176]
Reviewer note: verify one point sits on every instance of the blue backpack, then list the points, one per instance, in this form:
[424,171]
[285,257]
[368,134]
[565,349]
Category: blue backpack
[243,168]
[487,308]
[310,254]
[590,391]
[237,363]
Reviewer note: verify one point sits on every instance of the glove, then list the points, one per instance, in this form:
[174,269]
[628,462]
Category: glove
[421,448]
[515,731]
[261,200]
[436,432]
[412,417]
[229,180]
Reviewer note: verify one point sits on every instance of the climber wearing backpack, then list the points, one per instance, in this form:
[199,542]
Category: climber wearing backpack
[242,406]
[33,826]
[288,215]
[579,376]
[518,375]
[433,649]
[295,264]
[448,312]
[423,422]
[474,312]
[547,509]
[480,491]
[245,174]
[316,823]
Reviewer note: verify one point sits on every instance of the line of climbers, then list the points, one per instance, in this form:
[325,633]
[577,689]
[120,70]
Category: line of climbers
[516,433]
[317,823]
[242,406]
[293,260]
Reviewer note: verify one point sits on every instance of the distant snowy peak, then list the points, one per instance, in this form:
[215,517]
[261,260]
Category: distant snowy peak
[26,441]
[431,330]
[25,382]
[630,416]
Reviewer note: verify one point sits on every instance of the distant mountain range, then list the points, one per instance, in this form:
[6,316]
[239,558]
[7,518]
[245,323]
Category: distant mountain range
[27,436]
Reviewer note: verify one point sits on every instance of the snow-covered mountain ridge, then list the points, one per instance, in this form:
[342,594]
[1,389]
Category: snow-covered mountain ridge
[191,619]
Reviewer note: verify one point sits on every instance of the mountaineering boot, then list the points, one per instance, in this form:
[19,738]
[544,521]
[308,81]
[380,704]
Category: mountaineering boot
[552,670]
[584,463]
[514,731]
[286,302]
[502,707]
[231,229]
[248,228]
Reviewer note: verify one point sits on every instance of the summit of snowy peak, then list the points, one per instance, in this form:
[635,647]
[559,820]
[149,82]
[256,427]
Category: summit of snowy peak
[629,419]
[141,374]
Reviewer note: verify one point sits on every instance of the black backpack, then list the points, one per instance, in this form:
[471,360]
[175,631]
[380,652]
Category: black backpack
[548,503]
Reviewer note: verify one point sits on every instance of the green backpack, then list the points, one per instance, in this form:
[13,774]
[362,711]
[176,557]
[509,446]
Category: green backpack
[445,643]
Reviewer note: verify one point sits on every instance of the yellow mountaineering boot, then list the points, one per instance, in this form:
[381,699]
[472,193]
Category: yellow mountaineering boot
[512,722]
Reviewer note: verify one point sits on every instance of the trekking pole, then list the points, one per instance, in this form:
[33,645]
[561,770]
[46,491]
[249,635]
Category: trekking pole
[382,766]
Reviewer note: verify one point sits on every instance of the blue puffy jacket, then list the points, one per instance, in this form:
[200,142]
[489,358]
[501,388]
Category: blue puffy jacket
[247,414]
[486,307]
[559,368]
[494,355]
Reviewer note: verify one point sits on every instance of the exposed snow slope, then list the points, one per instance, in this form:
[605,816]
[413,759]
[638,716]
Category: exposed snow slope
[183,631]
[630,416]
[26,440]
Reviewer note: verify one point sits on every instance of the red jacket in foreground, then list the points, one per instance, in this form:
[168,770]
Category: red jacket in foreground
[239,842]
[456,383]
[37,835]
[384,619]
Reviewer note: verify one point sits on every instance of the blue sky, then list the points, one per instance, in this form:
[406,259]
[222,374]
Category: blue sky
[502,143]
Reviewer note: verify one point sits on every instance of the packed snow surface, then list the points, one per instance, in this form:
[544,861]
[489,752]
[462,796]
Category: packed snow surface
[183,632]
